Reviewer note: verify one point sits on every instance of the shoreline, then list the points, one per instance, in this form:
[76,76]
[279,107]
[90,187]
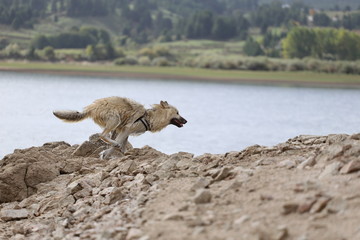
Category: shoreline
[168,76]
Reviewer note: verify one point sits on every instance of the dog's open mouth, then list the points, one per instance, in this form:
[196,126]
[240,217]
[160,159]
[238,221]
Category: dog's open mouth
[178,122]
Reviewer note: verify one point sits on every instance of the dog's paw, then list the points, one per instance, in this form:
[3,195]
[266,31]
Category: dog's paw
[104,155]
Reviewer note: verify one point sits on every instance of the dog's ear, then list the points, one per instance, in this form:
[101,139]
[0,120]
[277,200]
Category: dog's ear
[164,104]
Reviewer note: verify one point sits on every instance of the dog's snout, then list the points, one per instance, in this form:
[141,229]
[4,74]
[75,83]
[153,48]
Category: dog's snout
[183,120]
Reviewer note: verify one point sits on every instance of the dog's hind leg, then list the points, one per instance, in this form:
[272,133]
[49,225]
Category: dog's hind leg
[121,142]
[111,126]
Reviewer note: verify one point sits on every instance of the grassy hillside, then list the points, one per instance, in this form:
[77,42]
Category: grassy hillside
[323,4]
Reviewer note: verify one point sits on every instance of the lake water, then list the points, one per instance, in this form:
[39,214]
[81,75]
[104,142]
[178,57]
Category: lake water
[221,117]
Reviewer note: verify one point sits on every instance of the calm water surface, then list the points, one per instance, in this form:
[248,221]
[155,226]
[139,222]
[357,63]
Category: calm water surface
[221,117]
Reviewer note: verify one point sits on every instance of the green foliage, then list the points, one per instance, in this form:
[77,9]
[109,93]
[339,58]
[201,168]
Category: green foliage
[325,43]
[31,54]
[49,53]
[3,43]
[273,14]
[252,48]
[12,51]
[102,52]
[126,61]
[322,20]
[73,39]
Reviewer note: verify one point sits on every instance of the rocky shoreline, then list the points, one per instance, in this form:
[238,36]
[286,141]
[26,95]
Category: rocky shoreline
[305,188]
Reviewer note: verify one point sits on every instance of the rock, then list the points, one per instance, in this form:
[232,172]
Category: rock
[309,162]
[336,205]
[320,204]
[71,165]
[151,178]
[330,170]
[174,217]
[287,164]
[306,205]
[241,220]
[13,214]
[74,187]
[289,208]
[114,195]
[12,184]
[336,138]
[48,171]
[201,183]
[85,149]
[282,233]
[128,167]
[202,196]
[134,233]
[222,174]
[352,166]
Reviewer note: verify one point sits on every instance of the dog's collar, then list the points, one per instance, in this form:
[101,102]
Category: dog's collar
[144,122]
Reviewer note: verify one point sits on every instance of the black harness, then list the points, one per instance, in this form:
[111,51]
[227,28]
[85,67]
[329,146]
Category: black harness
[144,122]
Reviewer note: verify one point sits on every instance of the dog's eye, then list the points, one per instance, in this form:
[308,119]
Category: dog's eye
[177,112]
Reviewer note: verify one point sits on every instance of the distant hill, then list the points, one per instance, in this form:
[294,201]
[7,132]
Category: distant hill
[323,4]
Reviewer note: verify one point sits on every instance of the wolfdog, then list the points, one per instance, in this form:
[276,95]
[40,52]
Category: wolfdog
[122,117]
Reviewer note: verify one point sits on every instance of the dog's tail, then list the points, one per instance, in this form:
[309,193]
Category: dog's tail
[71,116]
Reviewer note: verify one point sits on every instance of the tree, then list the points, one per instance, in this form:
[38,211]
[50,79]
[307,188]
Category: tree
[299,43]
[252,48]
[322,43]
[223,28]
[49,53]
[322,19]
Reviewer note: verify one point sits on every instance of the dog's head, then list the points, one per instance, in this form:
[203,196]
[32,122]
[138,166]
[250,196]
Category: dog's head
[173,114]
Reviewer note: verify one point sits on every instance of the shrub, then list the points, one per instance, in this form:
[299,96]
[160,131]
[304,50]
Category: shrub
[49,53]
[160,62]
[148,52]
[256,65]
[126,61]
[145,61]
[12,51]
[162,52]
[296,65]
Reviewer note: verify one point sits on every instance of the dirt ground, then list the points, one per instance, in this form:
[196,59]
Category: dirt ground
[306,188]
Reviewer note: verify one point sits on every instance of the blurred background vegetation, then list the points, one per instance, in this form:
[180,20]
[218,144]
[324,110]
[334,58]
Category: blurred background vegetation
[317,35]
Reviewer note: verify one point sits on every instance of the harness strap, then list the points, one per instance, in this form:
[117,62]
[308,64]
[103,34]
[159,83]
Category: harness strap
[144,122]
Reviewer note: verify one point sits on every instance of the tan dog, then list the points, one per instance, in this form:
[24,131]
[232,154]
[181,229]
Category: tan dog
[123,117]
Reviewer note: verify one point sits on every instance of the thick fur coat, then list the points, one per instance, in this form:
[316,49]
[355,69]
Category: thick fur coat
[122,117]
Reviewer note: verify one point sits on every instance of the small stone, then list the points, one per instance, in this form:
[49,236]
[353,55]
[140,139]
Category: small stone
[86,192]
[306,205]
[85,149]
[330,170]
[224,173]
[290,208]
[174,217]
[74,187]
[202,196]
[201,183]
[309,162]
[128,167]
[13,214]
[241,220]
[320,204]
[352,166]
[184,208]
[151,178]
[282,233]
[134,233]
[336,205]
[114,195]
[287,164]
[265,197]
